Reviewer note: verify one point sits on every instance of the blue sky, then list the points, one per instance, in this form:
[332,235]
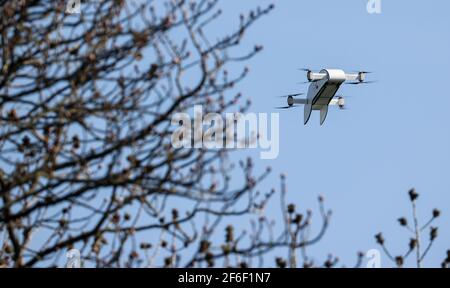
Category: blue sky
[394,136]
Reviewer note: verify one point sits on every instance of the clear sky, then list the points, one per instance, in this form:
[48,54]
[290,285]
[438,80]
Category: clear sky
[395,134]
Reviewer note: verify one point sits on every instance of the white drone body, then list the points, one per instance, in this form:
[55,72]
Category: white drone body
[322,91]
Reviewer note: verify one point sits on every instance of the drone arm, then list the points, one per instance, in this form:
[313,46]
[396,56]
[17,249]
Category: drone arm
[359,77]
[313,76]
[352,76]
[300,101]
[334,101]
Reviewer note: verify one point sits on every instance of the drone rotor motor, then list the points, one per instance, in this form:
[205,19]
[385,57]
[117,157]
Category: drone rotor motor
[290,101]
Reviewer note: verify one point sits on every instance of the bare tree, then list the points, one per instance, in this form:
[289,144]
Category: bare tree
[86,159]
[416,241]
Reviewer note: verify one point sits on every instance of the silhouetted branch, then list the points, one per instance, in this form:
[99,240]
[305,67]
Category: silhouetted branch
[414,243]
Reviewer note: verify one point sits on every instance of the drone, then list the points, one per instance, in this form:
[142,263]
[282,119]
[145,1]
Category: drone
[322,91]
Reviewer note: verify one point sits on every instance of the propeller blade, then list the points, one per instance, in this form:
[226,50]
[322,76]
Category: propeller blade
[286,107]
[365,72]
[291,95]
[359,83]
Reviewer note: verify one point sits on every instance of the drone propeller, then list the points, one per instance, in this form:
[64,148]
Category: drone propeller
[286,107]
[364,72]
[290,101]
[360,82]
[291,95]
[308,74]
